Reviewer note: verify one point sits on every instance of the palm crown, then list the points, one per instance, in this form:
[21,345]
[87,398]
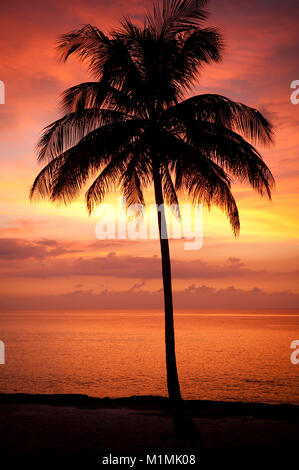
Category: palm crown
[132,123]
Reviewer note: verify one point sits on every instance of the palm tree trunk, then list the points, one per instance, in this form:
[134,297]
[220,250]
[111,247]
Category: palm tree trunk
[173,385]
[183,425]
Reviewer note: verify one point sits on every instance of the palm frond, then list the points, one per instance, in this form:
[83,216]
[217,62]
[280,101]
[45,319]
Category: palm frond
[169,191]
[221,110]
[108,180]
[203,45]
[43,184]
[193,51]
[131,182]
[204,180]
[214,190]
[176,16]
[66,132]
[100,95]
[85,95]
[88,43]
[63,179]
[90,154]
[209,185]
[233,153]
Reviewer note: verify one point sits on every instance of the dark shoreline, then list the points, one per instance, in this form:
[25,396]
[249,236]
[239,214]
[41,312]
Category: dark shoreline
[68,430]
[198,408]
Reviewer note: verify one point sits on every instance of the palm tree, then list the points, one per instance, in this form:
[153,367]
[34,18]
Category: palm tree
[131,127]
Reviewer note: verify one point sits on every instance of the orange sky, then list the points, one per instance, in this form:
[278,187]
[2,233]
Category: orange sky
[51,257]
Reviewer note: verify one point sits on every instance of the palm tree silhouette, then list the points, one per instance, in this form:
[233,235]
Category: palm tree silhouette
[131,127]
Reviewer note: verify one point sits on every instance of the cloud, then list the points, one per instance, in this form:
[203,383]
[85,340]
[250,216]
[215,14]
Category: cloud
[193,297]
[114,265]
[110,265]
[19,249]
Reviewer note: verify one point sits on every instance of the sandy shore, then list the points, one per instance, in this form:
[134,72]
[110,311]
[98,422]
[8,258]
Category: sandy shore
[73,425]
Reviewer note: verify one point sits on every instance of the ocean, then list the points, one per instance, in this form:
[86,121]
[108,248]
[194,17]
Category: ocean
[221,355]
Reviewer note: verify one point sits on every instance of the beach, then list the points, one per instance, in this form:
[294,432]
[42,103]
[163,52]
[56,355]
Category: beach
[75,427]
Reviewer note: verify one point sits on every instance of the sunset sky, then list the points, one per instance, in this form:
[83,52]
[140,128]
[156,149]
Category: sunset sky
[50,256]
